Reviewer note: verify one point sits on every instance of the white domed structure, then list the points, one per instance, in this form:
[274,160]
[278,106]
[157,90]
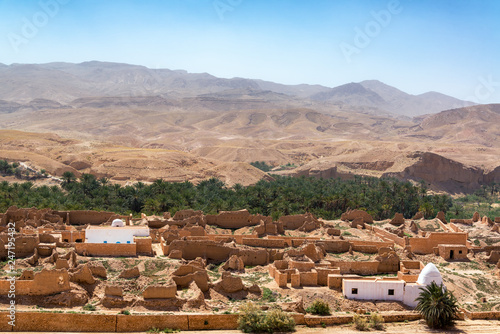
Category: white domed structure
[428,274]
[117,223]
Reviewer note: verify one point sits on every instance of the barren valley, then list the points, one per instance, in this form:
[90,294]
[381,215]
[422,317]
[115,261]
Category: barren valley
[130,123]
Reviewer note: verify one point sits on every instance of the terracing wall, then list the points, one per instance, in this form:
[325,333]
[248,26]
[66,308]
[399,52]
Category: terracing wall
[75,322]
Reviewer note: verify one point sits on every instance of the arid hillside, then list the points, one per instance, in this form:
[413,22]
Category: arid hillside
[132,123]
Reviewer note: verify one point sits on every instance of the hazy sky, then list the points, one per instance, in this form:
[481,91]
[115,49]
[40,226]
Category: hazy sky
[449,46]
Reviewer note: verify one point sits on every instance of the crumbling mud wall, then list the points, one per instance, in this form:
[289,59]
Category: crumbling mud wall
[24,245]
[384,234]
[46,282]
[427,244]
[84,217]
[232,219]
[212,250]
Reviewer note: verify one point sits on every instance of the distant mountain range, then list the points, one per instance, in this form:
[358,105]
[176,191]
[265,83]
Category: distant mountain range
[58,84]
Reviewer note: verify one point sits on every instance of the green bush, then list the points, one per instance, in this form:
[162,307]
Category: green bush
[360,323]
[377,321]
[320,307]
[267,294]
[252,319]
[278,321]
[126,312]
[437,305]
[89,307]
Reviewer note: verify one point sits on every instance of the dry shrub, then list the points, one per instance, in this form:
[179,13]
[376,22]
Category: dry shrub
[360,323]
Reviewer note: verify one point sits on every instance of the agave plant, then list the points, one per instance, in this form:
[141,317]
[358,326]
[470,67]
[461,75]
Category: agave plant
[437,305]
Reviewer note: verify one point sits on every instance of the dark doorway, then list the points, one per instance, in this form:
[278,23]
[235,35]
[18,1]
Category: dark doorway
[451,254]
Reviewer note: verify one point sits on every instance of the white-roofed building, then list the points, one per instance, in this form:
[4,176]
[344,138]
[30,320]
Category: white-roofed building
[391,288]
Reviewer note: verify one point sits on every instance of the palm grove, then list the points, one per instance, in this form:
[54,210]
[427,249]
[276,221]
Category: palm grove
[326,198]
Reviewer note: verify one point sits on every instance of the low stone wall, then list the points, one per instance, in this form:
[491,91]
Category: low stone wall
[144,245]
[388,235]
[64,322]
[311,320]
[111,323]
[293,241]
[369,246]
[264,243]
[143,323]
[482,315]
[334,246]
[360,268]
[91,249]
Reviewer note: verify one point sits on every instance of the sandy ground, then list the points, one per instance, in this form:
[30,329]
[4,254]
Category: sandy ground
[462,327]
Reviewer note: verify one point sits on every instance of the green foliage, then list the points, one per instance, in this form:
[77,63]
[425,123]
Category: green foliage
[360,322]
[437,305]
[377,321]
[480,201]
[278,321]
[89,307]
[252,319]
[319,307]
[126,312]
[267,295]
[262,165]
[326,198]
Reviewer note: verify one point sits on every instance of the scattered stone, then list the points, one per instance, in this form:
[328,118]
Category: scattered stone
[62,264]
[398,219]
[353,214]
[113,290]
[441,217]
[333,232]
[164,291]
[97,269]
[229,283]
[234,263]
[82,274]
[418,215]
[476,217]
[130,273]
[175,254]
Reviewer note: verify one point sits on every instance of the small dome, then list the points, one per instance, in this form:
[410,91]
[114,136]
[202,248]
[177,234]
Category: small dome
[428,274]
[117,223]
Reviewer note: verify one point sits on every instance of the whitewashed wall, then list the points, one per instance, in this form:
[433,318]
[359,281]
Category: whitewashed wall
[115,234]
[412,291]
[373,290]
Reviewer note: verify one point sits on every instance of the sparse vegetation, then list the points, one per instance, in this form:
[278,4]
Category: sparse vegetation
[262,165]
[319,307]
[267,295]
[360,322]
[437,305]
[377,321]
[89,307]
[253,320]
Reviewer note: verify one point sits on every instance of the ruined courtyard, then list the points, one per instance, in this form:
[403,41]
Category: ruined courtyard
[87,261]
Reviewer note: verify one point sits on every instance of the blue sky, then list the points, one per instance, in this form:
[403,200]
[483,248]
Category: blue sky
[449,46]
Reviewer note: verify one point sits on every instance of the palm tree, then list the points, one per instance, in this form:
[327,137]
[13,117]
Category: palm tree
[68,177]
[437,305]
